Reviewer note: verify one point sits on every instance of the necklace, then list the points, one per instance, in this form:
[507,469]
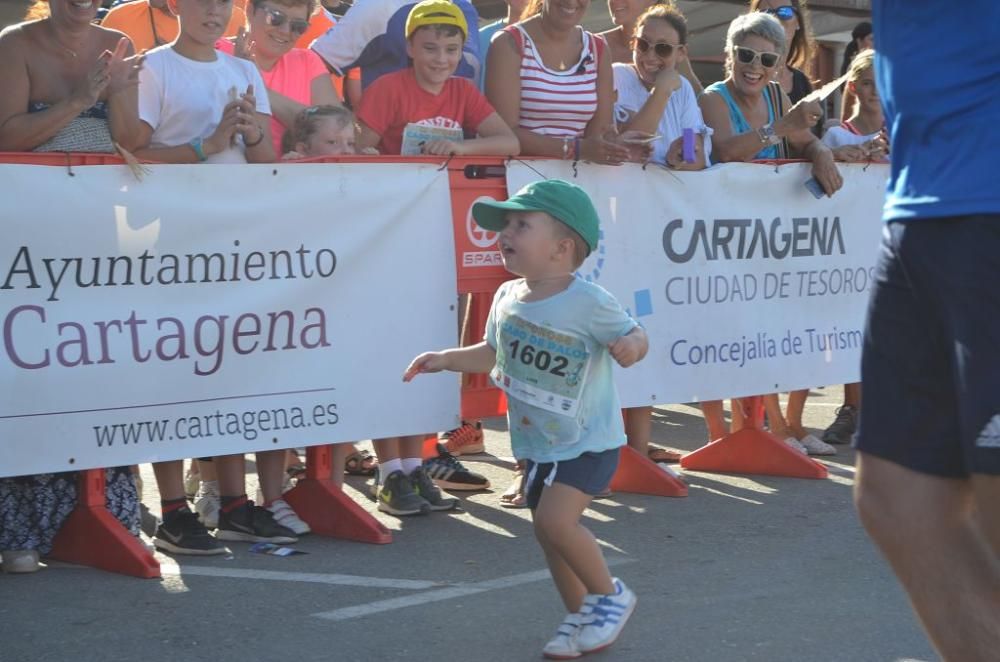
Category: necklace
[59,43]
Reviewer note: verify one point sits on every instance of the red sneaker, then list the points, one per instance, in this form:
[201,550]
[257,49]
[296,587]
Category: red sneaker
[464,440]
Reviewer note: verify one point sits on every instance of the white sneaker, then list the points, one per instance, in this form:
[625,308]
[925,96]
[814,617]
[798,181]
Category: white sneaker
[207,504]
[20,560]
[563,645]
[192,480]
[815,446]
[285,516]
[794,444]
[604,616]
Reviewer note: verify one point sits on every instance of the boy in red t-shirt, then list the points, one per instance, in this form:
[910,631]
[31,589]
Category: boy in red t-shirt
[424,109]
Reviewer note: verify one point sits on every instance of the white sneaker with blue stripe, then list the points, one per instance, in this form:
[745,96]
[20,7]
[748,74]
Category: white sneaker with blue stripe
[604,616]
[563,645]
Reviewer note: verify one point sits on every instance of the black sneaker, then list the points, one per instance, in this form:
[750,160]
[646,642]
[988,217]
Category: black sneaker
[396,496]
[251,523]
[843,426]
[450,474]
[183,533]
[429,492]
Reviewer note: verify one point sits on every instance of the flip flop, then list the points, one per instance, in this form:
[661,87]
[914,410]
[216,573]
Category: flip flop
[514,496]
[360,463]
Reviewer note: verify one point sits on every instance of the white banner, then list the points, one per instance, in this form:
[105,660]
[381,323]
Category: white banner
[745,282]
[218,309]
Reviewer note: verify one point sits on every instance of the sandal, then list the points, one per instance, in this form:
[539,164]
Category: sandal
[663,455]
[360,463]
[514,496]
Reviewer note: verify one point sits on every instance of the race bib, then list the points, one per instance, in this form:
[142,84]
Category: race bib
[540,366]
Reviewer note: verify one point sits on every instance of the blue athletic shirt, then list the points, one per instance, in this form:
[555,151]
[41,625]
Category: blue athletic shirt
[938,72]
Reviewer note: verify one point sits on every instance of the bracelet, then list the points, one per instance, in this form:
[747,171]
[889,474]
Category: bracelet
[565,152]
[256,142]
[576,149]
[196,145]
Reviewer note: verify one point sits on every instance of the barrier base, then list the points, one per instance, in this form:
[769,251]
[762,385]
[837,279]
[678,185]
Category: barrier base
[330,512]
[639,475]
[92,536]
[430,447]
[325,507]
[753,451]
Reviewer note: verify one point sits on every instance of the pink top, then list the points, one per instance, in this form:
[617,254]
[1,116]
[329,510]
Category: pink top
[291,76]
[557,103]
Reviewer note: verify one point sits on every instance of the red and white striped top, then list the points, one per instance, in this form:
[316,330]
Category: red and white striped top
[557,103]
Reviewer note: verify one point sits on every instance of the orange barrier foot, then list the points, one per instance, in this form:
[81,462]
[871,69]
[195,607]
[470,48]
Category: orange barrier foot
[638,474]
[325,507]
[92,536]
[753,451]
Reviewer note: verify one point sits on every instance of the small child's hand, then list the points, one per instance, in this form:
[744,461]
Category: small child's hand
[630,348]
[426,362]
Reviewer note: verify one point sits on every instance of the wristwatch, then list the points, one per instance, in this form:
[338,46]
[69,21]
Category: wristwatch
[767,135]
[199,151]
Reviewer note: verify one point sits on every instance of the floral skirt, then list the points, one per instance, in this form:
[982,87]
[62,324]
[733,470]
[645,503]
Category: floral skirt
[33,508]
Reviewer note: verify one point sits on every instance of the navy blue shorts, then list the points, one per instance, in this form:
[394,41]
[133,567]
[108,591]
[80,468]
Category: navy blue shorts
[930,369]
[590,473]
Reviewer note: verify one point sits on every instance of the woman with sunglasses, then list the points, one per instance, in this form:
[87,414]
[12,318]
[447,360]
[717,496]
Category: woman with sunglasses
[653,99]
[296,78]
[753,119]
[794,17]
[625,16]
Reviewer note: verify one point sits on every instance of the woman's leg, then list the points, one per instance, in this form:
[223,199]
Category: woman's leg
[639,427]
[793,412]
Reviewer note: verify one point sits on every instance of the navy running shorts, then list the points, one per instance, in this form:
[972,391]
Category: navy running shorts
[590,473]
[930,368]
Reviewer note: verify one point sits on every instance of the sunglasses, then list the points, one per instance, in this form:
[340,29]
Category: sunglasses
[749,55]
[662,49]
[784,13]
[276,19]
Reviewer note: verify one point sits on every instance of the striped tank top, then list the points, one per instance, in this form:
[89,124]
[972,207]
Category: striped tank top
[557,103]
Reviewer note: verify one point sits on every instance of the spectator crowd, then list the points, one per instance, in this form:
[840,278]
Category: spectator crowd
[258,81]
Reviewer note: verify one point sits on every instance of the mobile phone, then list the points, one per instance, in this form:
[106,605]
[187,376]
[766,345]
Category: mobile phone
[688,147]
[815,188]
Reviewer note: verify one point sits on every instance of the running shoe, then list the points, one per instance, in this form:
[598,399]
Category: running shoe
[287,517]
[450,474]
[466,439]
[207,503]
[563,645]
[251,523]
[814,446]
[604,616]
[429,492]
[396,496]
[183,533]
[843,427]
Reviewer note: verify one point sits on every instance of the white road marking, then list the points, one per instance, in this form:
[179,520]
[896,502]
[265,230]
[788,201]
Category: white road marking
[172,569]
[345,613]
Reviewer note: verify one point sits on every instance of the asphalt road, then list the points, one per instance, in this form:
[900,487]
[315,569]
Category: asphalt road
[744,568]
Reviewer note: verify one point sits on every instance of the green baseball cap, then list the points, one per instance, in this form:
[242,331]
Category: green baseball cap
[567,202]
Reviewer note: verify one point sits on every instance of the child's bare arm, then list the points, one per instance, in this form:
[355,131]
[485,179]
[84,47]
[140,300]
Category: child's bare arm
[476,358]
[630,348]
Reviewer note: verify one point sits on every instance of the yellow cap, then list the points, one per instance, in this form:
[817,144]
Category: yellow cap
[436,12]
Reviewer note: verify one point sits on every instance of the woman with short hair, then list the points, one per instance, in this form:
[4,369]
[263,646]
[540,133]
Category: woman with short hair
[752,118]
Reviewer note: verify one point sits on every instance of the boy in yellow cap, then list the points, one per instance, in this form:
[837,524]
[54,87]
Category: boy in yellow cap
[425,109]
[550,340]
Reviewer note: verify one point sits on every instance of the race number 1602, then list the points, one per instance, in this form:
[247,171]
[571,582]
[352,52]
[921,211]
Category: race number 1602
[541,359]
